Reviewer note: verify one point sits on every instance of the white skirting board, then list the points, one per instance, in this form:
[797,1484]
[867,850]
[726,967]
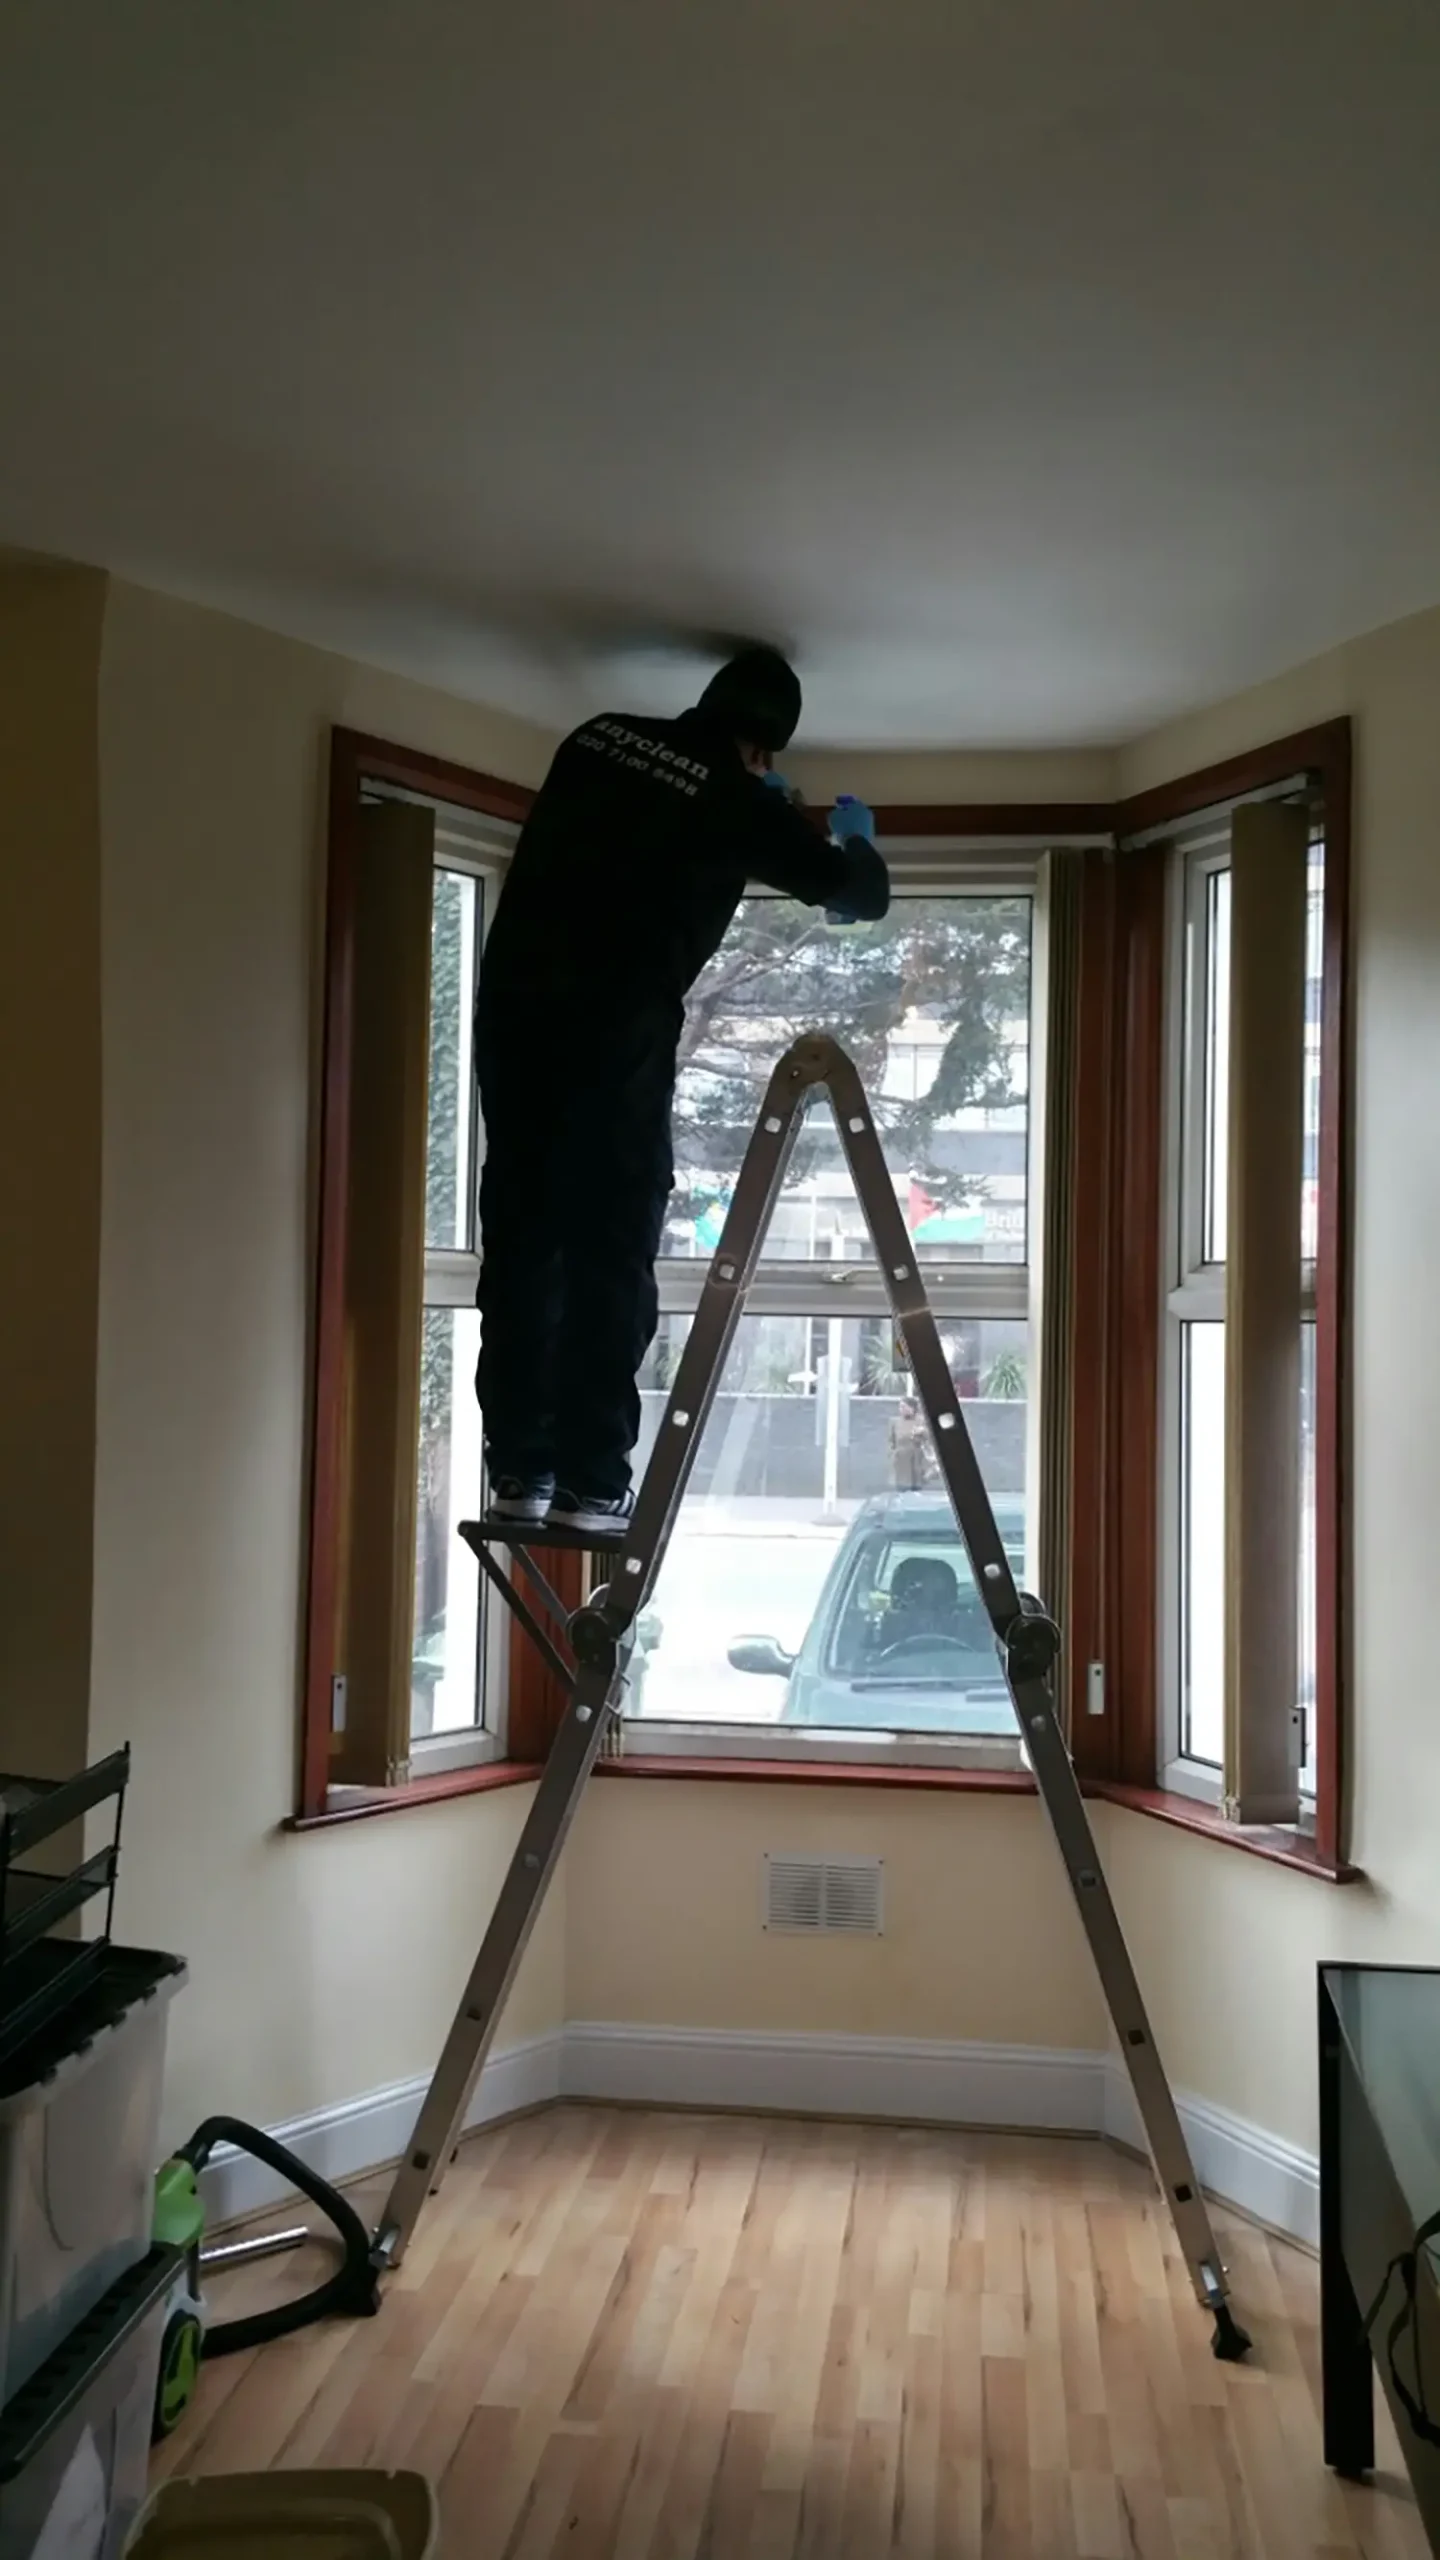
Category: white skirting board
[839,2075]
[903,2078]
[1266,2176]
[362,2133]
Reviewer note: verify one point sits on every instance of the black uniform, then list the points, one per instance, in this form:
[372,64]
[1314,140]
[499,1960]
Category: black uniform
[627,874]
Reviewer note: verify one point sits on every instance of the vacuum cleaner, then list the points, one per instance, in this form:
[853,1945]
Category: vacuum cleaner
[350,2291]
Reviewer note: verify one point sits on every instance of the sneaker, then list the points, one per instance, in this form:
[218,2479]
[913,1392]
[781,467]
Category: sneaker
[525,1498]
[604,1515]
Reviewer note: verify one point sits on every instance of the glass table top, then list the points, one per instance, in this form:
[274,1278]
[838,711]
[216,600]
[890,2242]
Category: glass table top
[1390,2021]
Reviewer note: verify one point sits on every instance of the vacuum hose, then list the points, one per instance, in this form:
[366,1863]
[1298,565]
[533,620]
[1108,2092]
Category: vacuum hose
[352,2292]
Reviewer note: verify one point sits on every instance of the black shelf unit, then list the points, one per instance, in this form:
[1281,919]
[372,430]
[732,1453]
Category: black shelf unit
[40,1973]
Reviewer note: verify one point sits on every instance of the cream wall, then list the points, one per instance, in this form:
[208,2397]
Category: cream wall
[322,1966]
[1231,1956]
[980,1941]
[50,620]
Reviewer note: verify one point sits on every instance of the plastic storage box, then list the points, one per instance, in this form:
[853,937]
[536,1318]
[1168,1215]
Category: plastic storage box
[292,2515]
[79,2138]
[75,2442]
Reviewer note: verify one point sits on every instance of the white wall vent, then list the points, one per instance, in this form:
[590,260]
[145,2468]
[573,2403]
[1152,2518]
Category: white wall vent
[832,1897]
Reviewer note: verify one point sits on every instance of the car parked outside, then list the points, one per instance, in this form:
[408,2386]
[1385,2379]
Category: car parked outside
[900,1640]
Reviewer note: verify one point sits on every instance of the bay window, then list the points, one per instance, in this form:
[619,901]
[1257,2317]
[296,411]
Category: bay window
[1105,1048]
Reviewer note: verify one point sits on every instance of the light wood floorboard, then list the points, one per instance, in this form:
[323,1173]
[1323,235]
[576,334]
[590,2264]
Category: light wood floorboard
[669,2337]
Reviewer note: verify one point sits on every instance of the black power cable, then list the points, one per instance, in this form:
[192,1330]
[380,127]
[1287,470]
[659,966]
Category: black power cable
[352,2292]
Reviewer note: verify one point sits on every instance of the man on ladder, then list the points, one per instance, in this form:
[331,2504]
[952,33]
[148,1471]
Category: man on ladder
[682,881]
[624,883]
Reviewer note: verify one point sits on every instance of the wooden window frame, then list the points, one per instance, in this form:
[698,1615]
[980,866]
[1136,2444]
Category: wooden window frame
[355,762]
[1116,1508]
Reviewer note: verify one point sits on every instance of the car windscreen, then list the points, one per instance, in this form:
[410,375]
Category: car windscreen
[910,1612]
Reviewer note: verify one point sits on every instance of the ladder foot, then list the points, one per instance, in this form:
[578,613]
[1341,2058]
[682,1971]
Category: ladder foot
[1230,2342]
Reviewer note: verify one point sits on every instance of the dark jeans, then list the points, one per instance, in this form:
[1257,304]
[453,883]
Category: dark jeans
[577,1173]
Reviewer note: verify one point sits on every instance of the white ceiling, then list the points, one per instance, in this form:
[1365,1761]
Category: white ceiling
[1037,368]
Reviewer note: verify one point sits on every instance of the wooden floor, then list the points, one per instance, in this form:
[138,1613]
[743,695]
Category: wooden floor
[633,2334]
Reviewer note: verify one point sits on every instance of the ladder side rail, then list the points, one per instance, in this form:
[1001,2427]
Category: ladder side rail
[1059,1790]
[599,1634]
[934,1385]
[702,1361]
[442,2115]
[1032,1698]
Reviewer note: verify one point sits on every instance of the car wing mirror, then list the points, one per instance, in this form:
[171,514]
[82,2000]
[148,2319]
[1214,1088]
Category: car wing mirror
[763,1654]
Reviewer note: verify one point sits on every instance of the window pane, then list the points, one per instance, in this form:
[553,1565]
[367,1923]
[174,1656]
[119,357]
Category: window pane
[816,1543]
[1217,1064]
[1305,1653]
[445,1677]
[450,1132]
[933,1004]
[1202,1543]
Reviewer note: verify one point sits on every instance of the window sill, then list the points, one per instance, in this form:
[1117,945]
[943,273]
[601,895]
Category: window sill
[361,1806]
[1283,1845]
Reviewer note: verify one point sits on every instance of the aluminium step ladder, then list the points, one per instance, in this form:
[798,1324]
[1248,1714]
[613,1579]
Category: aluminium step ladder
[591,1647]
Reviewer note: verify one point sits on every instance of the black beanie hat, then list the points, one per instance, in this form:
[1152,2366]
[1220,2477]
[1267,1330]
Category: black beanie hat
[757,697]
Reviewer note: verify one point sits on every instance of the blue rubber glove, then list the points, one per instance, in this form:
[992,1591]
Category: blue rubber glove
[776,781]
[850,817]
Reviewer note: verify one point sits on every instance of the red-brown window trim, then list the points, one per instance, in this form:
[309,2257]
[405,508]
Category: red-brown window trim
[1115,1504]
[360,1804]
